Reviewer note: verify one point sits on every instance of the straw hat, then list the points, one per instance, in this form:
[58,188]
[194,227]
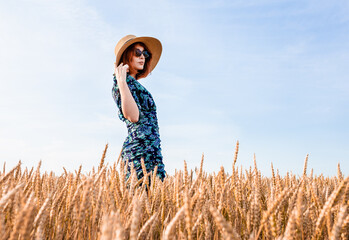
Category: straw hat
[153,44]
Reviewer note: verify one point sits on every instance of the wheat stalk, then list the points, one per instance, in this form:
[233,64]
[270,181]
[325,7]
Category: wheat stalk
[102,204]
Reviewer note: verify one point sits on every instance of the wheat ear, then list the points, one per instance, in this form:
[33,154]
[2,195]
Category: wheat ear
[334,195]
[41,211]
[305,165]
[142,233]
[136,217]
[103,158]
[236,154]
[170,227]
[336,230]
[3,179]
[283,194]
[227,230]
[8,195]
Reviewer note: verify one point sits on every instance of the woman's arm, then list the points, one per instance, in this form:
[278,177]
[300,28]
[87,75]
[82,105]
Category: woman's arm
[128,105]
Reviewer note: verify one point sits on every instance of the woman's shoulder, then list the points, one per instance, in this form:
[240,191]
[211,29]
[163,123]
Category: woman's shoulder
[129,78]
[131,82]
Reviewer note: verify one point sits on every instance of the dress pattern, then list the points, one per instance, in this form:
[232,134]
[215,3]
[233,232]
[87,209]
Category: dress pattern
[143,138]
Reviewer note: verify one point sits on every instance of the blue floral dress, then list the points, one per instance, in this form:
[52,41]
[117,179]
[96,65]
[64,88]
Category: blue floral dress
[143,138]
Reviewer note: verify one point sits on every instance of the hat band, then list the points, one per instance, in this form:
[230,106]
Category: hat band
[128,41]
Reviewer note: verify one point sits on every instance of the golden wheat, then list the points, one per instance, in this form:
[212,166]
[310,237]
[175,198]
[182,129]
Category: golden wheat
[101,204]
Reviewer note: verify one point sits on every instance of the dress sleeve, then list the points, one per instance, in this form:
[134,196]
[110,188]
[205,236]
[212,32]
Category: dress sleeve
[117,98]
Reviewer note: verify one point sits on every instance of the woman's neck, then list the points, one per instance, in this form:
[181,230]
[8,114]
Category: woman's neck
[133,75]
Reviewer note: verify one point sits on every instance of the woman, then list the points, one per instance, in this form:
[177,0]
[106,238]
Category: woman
[136,57]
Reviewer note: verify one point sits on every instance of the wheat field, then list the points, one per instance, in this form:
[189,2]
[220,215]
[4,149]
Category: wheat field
[191,204]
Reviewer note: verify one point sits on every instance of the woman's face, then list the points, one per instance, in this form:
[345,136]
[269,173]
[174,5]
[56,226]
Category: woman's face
[137,63]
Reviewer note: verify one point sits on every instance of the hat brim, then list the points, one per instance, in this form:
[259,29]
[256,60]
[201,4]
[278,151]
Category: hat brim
[153,44]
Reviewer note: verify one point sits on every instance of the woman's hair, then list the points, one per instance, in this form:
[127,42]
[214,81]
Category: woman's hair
[129,53]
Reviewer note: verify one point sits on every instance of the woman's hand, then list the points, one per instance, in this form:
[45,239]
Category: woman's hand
[120,72]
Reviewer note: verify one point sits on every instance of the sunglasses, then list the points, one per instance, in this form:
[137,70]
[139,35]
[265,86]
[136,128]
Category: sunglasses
[138,53]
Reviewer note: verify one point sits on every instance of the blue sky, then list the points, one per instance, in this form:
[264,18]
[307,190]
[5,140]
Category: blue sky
[271,74]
